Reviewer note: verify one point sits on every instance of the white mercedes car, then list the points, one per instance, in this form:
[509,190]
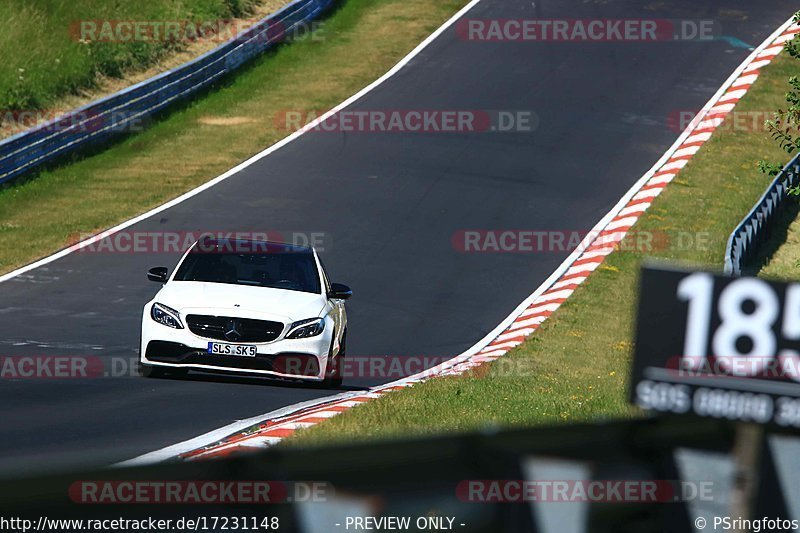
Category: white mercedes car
[249,307]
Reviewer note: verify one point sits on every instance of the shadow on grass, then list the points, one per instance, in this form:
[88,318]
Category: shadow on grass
[777,237]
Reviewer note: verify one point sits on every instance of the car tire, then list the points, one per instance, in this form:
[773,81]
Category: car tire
[333,370]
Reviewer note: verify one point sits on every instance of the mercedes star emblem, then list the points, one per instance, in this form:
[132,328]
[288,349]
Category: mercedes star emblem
[232,331]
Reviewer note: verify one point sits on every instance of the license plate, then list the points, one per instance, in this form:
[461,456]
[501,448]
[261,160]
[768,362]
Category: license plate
[240,350]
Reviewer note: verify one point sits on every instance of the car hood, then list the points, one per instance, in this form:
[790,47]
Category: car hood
[240,300]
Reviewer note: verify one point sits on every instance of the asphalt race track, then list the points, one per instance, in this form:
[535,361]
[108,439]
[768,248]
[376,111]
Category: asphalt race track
[389,204]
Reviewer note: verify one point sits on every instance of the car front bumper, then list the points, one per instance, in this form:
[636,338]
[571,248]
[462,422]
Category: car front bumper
[286,358]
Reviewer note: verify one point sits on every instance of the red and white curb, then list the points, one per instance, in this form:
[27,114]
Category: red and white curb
[599,244]
[603,240]
[527,318]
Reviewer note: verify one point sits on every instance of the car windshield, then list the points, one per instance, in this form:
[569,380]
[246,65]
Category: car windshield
[251,263]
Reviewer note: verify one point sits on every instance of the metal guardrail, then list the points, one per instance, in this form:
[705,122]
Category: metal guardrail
[114,114]
[756,228]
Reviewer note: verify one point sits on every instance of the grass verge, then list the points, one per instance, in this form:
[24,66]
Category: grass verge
[356,45]
[575,367]
[45,55]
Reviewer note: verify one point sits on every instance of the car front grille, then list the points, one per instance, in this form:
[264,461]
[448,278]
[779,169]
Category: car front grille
[234,329]
[287,363]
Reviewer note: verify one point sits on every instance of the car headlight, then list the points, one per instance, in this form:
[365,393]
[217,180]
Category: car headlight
[166,316]
[310,327]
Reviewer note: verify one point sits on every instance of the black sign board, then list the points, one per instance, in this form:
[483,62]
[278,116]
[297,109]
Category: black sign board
[718,347]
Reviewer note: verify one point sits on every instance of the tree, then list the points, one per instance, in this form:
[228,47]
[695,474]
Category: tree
[784,128]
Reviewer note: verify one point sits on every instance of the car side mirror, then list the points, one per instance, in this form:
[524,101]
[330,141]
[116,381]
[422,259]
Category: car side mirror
[340,292]
[158,274]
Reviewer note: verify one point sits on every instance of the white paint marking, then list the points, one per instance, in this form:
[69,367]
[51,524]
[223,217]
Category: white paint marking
[235,170]
[636,208]
[535,321]
[620,223]
[649,193]
[733,95]
[516,333]
[566,266]
[745,80]
[689,150]
[699,137]
[218,434]
[562,284]
[677,164]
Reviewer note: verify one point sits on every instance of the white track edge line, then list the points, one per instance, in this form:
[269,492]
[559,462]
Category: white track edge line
[564,265]
[603,222]
[235,170]
[614,211]
[216,435]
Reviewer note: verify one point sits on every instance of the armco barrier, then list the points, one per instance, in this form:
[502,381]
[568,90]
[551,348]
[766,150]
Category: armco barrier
[756,227]
[104,118]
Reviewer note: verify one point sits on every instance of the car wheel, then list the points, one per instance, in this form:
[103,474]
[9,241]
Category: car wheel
[333,370]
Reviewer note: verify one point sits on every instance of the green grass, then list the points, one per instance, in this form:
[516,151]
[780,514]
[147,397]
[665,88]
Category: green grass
[356,45]
[42,59]
[575,367]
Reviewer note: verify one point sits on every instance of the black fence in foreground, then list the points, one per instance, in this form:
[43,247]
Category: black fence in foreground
[655,474]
